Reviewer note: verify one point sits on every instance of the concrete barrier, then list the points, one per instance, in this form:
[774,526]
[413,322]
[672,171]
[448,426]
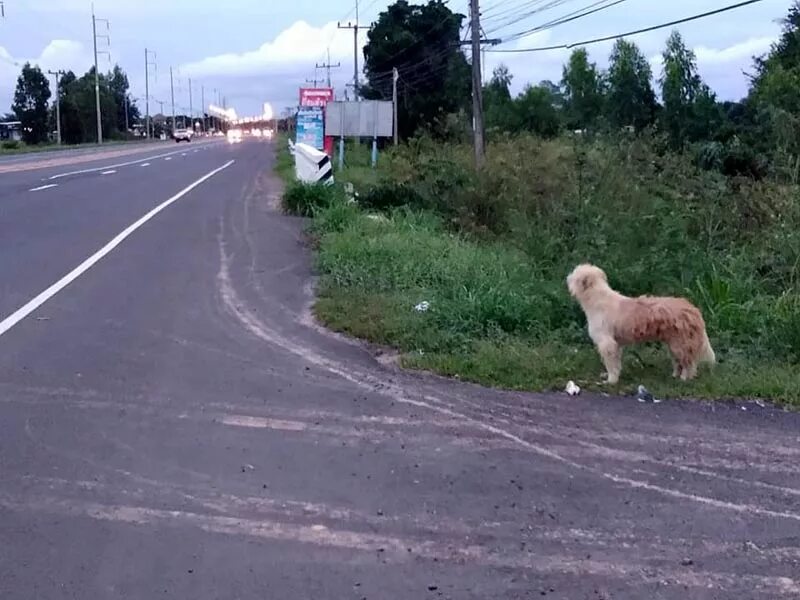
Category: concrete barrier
[312,165]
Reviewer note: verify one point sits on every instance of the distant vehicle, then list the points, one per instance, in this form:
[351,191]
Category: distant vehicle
[234,136]
[182,135]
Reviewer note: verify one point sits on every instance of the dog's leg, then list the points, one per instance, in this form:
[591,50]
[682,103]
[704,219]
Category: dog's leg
[689,372]
[611,354]
[676,367]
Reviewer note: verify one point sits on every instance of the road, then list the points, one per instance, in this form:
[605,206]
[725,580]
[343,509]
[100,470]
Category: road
[173,424]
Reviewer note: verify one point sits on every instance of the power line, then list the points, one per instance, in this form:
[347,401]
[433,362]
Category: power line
[629,33]
[573,16]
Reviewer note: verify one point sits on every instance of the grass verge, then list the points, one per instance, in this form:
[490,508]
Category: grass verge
[499,311]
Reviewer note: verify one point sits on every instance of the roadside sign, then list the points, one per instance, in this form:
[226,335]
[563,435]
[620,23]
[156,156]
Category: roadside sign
[311,127]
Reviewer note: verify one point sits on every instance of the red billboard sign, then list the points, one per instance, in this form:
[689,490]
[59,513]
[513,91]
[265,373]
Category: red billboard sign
[315,96]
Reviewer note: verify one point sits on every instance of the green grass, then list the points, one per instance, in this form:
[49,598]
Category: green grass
[23,148]
[490,254]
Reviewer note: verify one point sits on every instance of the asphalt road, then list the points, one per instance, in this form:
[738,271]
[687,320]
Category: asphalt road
[174,425]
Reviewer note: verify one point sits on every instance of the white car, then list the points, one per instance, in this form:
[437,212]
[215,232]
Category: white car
[182,135]
[234,136]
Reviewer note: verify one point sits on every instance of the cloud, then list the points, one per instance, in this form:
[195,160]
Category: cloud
[58,54]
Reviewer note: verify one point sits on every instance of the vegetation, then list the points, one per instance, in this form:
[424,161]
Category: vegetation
[692,197]
[34,106]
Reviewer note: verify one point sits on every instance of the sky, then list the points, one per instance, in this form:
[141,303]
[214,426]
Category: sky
[257,51]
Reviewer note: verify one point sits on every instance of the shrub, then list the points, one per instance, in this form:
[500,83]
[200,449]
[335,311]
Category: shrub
[11,145]
[304,198]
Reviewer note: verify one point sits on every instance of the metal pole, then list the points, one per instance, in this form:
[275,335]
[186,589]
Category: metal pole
[477,86]
[127,125]
[203,105]
[172,92]
[146,95]
[96,81]
[394,105]
[355,55]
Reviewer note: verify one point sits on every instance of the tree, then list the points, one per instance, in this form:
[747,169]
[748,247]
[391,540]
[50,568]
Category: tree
[30,104]
[630,99]
[422,42]
[118,87]
[536,110]
[497,103]
[583,90]
[688,112]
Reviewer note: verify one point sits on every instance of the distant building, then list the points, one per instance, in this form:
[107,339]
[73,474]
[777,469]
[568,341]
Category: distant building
[11,130]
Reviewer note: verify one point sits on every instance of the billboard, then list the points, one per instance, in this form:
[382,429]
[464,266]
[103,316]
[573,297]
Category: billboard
[369,118]
[311,127]
[315,96]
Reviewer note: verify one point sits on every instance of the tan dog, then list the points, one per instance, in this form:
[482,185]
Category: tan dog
[615,320]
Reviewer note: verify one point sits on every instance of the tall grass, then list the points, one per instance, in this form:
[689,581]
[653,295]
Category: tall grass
[490,251]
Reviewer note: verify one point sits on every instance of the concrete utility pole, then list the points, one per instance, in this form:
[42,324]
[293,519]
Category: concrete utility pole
[327,66]
[203,105]
[477,86]
[97,72]
[395,78]
[191,107]
[127,125]
[147,64]
[58,105]
[355,27]
[172,92]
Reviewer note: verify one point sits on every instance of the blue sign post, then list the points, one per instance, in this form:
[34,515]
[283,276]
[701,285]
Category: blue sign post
[311,126]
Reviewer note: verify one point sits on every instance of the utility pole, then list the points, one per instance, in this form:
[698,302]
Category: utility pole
[147,64]
[477,86]
[172,92]
[97,72]
[203,105]
[355,27]
[127,125]
[395,77]
[58,104]
[191,107]
[327,66]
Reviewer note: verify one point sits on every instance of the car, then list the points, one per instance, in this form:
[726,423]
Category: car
[182,135]
[234,136]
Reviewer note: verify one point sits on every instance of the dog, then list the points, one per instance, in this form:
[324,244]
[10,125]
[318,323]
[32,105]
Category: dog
[615,321]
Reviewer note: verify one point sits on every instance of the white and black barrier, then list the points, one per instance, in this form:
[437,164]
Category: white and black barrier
[312,165]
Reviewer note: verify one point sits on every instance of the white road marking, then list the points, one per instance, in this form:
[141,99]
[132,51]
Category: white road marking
[144,165]
[111,172]
[122,164]
[168,158]
[43,187]
[54,289]
[183,153]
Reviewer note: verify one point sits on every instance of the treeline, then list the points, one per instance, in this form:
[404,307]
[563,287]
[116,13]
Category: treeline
[757,135]
[35,106]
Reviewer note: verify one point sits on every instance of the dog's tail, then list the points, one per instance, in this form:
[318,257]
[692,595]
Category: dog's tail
[707,352]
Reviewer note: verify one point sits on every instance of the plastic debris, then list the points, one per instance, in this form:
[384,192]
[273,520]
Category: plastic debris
[642,395]
[422,306]
[572,389]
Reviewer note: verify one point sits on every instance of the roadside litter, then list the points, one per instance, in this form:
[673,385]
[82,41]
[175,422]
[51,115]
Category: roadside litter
[422,306]
[572,389]
[642,395]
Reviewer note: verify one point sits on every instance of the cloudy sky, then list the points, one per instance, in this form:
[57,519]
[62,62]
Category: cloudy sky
[256,51]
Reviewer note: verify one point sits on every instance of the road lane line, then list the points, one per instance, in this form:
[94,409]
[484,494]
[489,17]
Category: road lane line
[111,172]
[43,187]
[122,164]
[144,165]
[22,312]
[168,158]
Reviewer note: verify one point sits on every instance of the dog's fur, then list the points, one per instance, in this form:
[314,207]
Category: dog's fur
[615,320]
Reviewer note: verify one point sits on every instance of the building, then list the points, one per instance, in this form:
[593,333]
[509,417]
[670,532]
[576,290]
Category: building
[11,130]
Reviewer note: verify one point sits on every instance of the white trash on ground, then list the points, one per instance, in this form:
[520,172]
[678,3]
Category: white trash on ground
[572,389]
[422,306]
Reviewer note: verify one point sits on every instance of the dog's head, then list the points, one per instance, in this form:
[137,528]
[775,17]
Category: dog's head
[585,278]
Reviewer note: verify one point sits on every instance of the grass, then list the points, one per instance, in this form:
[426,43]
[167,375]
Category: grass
[22,148]
[490,253]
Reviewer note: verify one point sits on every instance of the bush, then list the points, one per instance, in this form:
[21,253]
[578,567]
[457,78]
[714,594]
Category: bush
[11,145]
[386,196]
[304,198]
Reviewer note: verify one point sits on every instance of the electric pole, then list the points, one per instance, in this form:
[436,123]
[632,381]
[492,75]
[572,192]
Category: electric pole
[191,107]
[395,77]
[327,66]
[97,72]
[477,86]
[203,105]
[127,125]
[355,27]
[58,105]
[172,92]
[147,64]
